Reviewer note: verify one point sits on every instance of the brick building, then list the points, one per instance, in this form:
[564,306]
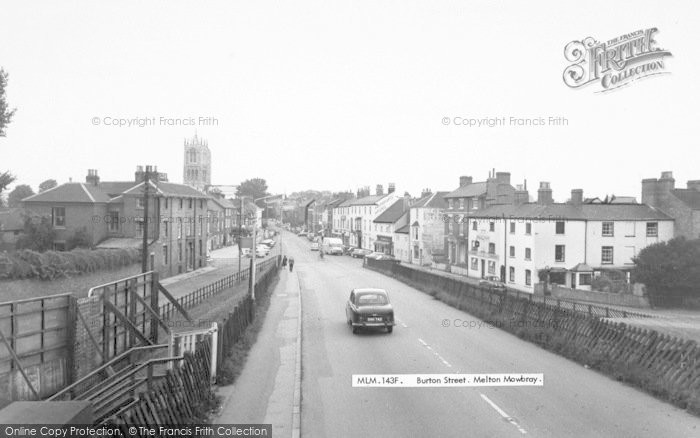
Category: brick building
[681,204]
[111,214]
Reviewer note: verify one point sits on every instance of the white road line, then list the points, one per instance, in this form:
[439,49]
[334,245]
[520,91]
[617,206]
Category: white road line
[503,414]
[422,342]
[404,325]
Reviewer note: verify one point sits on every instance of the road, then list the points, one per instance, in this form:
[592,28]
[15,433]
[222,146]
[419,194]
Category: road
[574,401]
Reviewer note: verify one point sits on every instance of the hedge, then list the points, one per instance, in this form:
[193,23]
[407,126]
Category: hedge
[50,265]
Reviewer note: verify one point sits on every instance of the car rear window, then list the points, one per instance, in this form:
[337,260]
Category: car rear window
[371,299]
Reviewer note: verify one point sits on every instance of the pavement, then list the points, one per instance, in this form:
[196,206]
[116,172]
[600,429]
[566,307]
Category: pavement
[268,389]
[573,402]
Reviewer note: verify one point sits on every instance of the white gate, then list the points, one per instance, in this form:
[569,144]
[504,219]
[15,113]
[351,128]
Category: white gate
[187,341]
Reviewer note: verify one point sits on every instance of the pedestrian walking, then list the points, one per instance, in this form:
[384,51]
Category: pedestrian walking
[284,262]
[291,264]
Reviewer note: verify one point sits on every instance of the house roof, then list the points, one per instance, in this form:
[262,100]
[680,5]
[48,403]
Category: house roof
[70,192]
[392,214]
[582,267]
[689,197]
[105,192]
[468,191]
[434,200]
[403,230]
[367,200]
[11,219]
[562,211]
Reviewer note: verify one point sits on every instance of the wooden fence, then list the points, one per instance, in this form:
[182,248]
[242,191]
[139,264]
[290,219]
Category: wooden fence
[36,338]
[660,363]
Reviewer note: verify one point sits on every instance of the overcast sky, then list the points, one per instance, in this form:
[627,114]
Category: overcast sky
[337,95]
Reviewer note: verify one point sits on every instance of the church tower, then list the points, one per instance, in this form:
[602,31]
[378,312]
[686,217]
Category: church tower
[197,167]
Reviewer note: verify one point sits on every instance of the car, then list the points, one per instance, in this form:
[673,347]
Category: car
[492,282]
[301,234]
[359,253]
[269,242]
[262,248]
[369,308]
[347,249]
[315,246]
[387,257]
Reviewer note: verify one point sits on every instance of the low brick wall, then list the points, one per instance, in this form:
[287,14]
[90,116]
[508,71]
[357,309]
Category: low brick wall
[627,300]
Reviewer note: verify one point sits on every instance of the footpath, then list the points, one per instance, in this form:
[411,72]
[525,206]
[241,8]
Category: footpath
[268,390]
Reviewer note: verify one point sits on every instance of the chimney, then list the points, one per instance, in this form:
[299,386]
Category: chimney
[694,184]
[521,196]
[503,177]
[544,194]
[392,187]
[426,192]
[380,189]
[576,197]
[465,180]
[92,177]
[406,201]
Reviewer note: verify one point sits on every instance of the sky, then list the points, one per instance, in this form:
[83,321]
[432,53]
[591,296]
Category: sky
[333,95]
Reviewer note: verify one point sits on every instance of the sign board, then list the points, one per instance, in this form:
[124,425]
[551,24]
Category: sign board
[246,242]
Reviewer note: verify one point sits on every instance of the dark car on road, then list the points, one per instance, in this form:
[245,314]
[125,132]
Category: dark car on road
[370,308]
[493,282]
[359,253]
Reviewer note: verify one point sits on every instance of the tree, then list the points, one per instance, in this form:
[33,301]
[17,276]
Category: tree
[79,239]
[48,184]
[5,112]
[38,234]
[6,178]
[670,268]
[253,188]
[20,192]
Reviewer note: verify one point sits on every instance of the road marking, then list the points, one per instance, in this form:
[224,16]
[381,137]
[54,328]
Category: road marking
[422,342]
[435,353]
[507,417]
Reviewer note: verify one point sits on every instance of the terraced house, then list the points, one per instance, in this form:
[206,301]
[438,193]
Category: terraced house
[470,197]
[571,242]
[111,215]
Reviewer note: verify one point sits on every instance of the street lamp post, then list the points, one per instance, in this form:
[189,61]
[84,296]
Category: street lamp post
[254,248]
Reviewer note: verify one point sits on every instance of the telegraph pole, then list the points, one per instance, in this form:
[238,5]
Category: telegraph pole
[144,249]
[240,220]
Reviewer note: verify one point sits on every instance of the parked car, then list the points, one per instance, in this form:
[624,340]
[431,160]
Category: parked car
[369,308]
[359,253]
[347,249]
[492,282]
[387,257]
[269,242]
[301,234]
[315,246]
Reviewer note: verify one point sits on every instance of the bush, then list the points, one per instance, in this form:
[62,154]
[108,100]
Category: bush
[50,265]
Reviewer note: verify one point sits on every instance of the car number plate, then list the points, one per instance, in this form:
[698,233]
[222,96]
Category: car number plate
[374,319]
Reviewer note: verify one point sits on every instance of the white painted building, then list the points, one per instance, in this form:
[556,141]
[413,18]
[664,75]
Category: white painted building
[427,228]
[571,241]
[354,218]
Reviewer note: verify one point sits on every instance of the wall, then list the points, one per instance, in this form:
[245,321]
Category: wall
[90,216]
[599,297]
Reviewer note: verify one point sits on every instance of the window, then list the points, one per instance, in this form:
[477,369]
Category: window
[606,255]
[461,203]
[528,277]
[492,226]
[166,203]
[179,252]
[492,267]
[139,227]
[190,203]
[511,274]
[179,230]
[165,228]
[58,216]
[475,264]
[165,254]
[114,221]
[512,228]
[475,245]
[492,248]
[560,228]
[512,251]
[584,279]
[474,225]
[59,246]
[652,229]
[201,203]
[608,229]
[140,202]
[559,253]
[528,228]
[450,204]
[528,254]
[180,203]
